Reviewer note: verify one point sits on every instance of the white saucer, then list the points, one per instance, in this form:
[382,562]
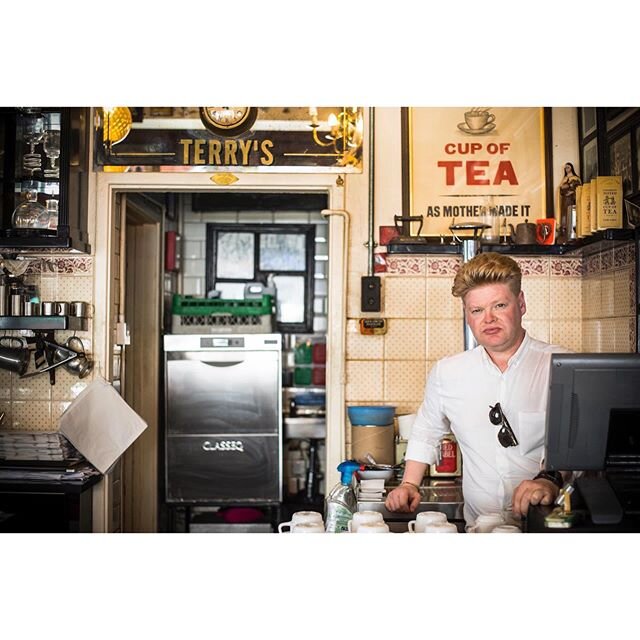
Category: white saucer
[476,132]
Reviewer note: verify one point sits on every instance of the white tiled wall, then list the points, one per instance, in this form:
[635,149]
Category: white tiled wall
[584,304]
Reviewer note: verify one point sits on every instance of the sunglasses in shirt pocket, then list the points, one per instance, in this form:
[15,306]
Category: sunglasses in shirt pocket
[530,432]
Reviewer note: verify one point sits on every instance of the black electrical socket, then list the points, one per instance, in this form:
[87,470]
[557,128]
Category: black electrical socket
[371,288]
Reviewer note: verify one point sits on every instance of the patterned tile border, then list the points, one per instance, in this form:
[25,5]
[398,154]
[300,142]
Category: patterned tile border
[567,267]
[405,265]
[533,266]
[67,265]
[623,256]
[606,260]
[592,265]
[443,266]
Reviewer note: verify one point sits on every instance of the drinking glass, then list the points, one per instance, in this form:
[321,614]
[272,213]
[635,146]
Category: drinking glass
[51,147]
[32,135]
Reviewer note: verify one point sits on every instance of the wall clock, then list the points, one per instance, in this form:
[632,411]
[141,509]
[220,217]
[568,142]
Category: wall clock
[228,121]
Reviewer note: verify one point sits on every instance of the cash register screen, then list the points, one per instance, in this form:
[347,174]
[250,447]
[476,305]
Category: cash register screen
[591,394]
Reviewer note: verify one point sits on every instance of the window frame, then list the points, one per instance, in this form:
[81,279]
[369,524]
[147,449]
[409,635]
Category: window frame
[308,230]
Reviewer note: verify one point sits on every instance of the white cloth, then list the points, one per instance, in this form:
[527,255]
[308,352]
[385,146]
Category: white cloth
[459,392]
[100,424]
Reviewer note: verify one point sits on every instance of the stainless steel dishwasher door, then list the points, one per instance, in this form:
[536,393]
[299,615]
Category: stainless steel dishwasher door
[223,419]
[222,392]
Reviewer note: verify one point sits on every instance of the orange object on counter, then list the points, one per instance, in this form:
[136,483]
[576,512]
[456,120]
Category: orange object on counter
[545,230]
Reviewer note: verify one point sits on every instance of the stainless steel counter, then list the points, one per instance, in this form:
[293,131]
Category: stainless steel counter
[437,495]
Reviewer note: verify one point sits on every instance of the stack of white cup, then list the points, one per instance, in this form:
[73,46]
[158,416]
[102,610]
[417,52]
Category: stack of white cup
[303,522]
[492,523]
[431,522]
[367,522]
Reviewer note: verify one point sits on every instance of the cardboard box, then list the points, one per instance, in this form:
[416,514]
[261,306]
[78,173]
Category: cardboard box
[585,210]
[578,210]
[593,226]
[609,199]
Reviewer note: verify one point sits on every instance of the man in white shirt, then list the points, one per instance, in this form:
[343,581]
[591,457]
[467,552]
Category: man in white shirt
[493,398]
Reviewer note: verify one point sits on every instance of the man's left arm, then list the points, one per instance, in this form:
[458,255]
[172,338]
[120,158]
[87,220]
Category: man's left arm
[543,489]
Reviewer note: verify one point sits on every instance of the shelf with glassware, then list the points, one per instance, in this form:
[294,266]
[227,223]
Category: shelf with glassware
[44,178]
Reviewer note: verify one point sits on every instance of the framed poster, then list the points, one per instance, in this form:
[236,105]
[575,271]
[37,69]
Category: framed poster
[477,164]
[588,119]
[620,162]
[590,160]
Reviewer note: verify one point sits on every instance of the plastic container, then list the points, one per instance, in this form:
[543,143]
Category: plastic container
[376,440]
[189,306]
[318,376]
[319,353]
[302,376]
[371,415]
[303,353]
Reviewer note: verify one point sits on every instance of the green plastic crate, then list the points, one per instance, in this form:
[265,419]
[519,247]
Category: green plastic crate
[190,306]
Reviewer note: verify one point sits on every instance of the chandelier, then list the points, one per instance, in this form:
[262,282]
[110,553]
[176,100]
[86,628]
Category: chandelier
[116,125]
[344,135]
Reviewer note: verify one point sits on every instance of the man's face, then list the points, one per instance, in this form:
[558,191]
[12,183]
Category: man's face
[494,315]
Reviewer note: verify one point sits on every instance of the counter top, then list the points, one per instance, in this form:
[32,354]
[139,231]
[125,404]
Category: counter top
[437,495]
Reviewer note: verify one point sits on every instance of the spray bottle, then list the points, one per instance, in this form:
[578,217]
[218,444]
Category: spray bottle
[341,503]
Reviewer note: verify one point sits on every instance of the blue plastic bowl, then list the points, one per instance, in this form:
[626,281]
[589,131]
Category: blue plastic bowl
[380,415]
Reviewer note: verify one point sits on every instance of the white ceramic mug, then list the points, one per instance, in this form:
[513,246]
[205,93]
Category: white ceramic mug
[308,527]
[360,517]
[424,518]
[440,527]
[374,527]
[506,528]
[298,518]
[485,523]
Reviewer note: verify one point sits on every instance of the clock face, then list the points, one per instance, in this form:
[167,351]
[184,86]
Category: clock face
[228,121]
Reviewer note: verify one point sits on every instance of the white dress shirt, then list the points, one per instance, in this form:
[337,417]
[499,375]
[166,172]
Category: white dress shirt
[458,395]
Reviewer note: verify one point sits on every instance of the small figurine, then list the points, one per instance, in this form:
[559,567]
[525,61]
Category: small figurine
[570,180]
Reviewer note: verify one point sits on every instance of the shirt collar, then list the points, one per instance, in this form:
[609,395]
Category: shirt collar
[514,360]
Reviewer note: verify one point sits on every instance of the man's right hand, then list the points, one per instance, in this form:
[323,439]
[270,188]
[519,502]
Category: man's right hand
[405,498]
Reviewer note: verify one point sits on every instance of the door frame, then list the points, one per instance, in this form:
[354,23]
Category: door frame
[108,184]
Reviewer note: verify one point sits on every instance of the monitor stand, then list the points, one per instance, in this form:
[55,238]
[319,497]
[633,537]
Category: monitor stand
[602,502]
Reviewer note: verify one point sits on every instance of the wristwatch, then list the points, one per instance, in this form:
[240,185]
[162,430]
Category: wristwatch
[552,476]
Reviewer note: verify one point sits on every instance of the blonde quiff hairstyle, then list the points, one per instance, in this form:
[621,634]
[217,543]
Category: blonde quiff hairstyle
[487,268]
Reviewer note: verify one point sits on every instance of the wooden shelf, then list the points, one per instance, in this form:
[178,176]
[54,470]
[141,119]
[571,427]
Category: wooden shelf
[601,239]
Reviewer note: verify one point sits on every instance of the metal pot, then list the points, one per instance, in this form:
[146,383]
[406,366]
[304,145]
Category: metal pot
[80,366]
[524,233]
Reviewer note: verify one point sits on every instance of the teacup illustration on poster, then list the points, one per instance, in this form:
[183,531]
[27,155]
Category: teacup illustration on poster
[477,121]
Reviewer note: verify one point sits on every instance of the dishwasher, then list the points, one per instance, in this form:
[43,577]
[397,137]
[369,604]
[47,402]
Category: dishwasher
[223,436]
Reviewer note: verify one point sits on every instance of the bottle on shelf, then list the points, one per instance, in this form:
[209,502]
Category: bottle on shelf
[30,214]
[52,210]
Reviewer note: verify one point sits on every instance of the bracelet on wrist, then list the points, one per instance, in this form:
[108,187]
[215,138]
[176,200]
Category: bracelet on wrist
[411,484]
[551,476]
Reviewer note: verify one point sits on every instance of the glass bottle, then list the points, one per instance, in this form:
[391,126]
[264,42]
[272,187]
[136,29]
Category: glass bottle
[30,214]
[52,211]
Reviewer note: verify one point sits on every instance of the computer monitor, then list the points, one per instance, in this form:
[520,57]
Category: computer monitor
[593,398]
[593,424]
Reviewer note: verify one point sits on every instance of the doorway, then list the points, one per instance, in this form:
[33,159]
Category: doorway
[109,186]
[140,366]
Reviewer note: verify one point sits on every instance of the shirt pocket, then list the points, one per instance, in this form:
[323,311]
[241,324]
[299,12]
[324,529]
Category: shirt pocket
[531,425]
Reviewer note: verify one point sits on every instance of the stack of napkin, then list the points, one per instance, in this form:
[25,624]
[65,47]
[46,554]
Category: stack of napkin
[372,489]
